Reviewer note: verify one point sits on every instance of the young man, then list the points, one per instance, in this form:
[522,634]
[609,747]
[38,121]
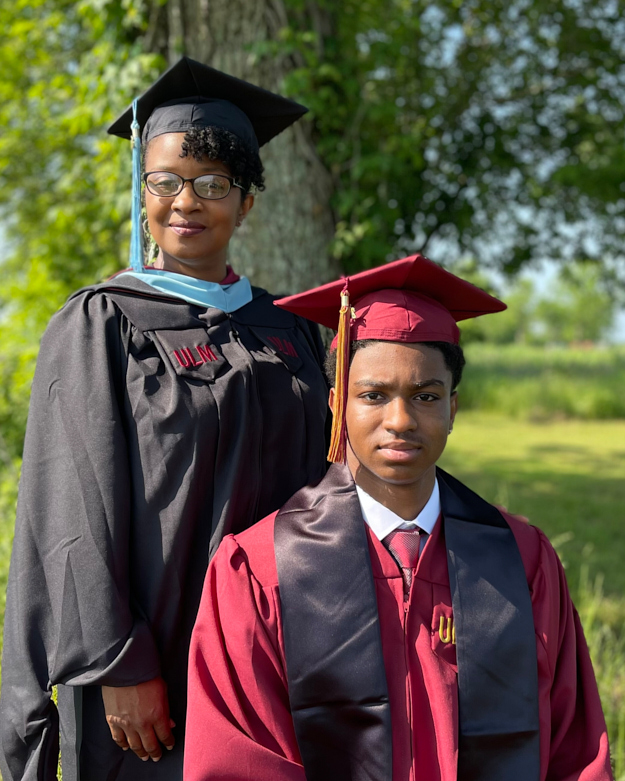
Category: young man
[388,623]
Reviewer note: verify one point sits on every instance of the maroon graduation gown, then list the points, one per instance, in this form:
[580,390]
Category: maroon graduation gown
[239,723]
[155,428]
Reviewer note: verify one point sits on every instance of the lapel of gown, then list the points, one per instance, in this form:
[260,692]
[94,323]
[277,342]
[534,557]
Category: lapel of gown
[333,649]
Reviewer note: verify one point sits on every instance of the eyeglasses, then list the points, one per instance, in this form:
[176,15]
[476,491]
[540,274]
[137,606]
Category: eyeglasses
[213,187]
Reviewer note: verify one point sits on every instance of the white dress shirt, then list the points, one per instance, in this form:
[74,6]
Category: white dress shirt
[383,521]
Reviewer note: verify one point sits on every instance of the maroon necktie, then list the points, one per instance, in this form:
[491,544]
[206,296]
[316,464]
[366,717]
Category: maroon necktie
[404,546]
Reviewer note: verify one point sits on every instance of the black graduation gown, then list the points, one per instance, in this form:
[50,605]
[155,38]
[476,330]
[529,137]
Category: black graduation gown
[155,428]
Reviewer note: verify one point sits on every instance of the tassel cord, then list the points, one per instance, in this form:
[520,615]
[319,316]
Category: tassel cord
[338,440]
[136,240]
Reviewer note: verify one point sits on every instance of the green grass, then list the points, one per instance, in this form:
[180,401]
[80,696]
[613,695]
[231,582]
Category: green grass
[536,383]
[568,477]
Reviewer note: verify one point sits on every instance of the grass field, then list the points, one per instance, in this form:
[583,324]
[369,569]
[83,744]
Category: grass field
[539,383]
[568,477]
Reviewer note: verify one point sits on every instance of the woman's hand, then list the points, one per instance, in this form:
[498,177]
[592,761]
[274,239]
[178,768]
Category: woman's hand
[138,717]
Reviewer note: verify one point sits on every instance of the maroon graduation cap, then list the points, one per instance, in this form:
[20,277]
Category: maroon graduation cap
[410,300]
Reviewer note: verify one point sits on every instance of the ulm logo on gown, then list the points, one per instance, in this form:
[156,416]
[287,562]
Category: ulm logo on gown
[186,358]
[447,630]
[283,346]
[191,353]
[443,634]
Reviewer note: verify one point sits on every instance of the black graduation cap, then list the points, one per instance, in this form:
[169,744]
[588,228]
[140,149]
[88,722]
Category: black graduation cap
[191,94]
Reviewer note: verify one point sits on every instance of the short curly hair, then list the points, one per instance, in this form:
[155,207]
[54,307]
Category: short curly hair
[216,143]
[452,355]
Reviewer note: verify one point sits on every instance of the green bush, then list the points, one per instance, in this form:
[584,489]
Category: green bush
[9,474]
[539,383]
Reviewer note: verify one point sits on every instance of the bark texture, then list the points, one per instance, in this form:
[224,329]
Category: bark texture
[283,244]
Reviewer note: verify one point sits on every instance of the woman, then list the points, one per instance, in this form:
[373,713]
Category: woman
[170,406]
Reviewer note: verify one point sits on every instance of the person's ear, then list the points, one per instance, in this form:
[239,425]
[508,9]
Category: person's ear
[331,398]
[453,409]
[246,204]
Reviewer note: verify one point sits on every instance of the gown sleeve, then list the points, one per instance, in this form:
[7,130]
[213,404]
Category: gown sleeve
[578,747]
[69,615]
[239,724]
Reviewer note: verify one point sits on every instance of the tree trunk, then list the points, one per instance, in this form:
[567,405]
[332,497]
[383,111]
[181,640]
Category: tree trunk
[283,244]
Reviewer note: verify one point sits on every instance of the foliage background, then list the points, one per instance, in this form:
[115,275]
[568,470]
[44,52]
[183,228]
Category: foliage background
[487,133]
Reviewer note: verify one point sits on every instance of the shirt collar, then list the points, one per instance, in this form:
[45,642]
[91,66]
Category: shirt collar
[383,521]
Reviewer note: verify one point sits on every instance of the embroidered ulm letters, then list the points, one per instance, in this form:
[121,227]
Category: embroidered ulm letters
[186,358]
[283,345]
[447,630]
